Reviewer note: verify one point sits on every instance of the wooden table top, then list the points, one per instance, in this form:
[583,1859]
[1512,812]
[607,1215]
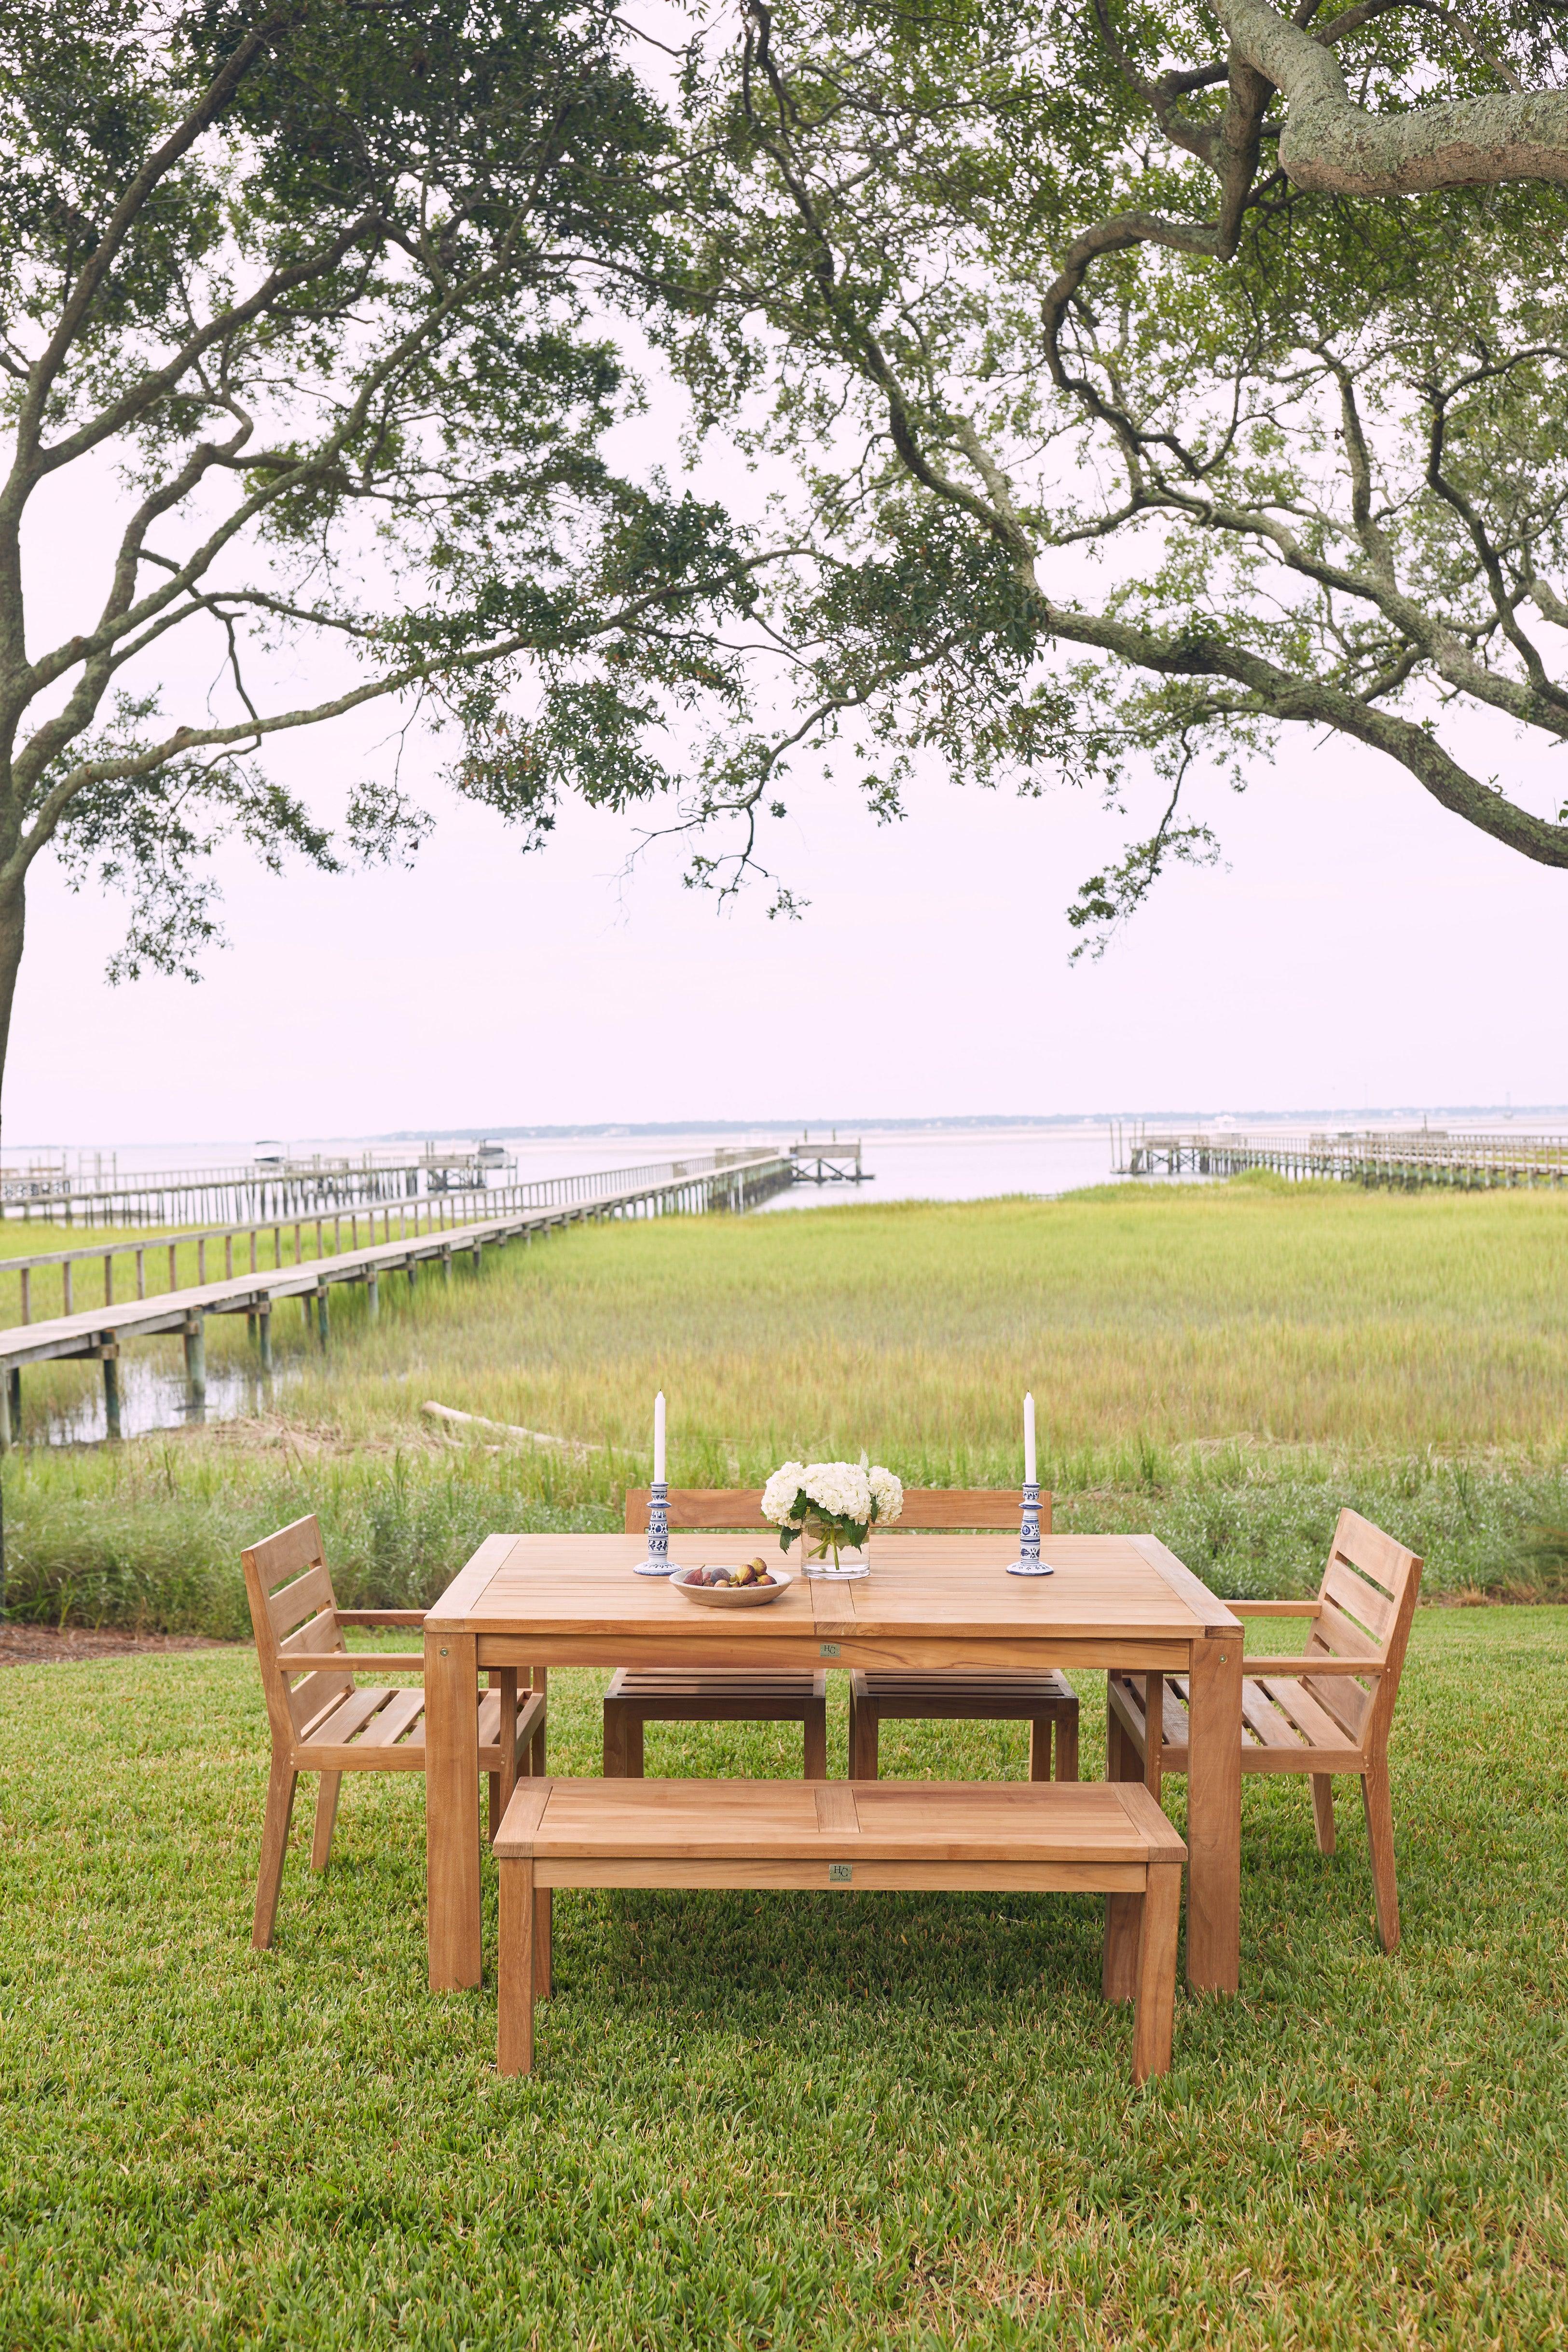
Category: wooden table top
[581,1585]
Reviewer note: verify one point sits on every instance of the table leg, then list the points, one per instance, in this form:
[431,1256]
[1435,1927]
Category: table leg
[452,1809]
[1213,1816]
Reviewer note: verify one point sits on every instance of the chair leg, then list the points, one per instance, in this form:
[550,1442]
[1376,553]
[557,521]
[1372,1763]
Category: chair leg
[515,1961]
[1323,1810]
[1039,1747]
[814,1767]
[280,1786]
[1153,2021]
[865,1742]
[1123,1761]
[537,1765]
[326,1819]
[1067,1743]
[1380,1839]
[1153,1734]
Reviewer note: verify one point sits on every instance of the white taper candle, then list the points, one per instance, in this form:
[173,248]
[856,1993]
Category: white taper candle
[658,1439]
[1028,1441]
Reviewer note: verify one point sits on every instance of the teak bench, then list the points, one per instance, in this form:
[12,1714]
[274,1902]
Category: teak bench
[1013,1836]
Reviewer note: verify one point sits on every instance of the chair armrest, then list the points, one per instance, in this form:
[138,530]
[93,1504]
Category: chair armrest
[1275,1667]
[381,1616]
[349,1662]
[1312,1608]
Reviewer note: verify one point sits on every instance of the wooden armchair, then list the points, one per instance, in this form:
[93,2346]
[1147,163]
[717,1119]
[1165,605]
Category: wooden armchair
[324,1721]
[716,1695]
[1328,1711]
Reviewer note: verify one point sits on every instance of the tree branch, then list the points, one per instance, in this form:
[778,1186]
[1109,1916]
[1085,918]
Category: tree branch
[1338,148]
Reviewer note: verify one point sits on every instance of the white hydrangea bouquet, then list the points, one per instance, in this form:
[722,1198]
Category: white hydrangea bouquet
[832,1507]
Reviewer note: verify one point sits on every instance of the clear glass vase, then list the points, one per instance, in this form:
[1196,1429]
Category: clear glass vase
[825,1557]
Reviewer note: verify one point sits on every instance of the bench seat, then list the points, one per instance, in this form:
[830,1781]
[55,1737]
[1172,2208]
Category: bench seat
[1004,1835]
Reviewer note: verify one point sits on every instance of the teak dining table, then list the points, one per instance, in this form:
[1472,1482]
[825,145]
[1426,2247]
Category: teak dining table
[931,1601]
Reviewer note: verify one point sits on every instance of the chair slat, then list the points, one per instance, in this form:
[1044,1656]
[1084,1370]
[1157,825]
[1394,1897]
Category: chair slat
[1338,1634]
[1342,1697]
[1315,1724]
[1367,1603]
[338,1727]
[386,1727]
[287,1554]
[1376,1555]
[927,1509]
[306,1596]
[313,1634]
[1264,1720]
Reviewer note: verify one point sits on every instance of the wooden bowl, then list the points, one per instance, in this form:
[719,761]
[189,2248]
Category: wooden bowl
[734,1596]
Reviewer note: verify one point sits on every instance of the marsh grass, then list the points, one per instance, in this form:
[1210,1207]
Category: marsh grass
[1223,1364]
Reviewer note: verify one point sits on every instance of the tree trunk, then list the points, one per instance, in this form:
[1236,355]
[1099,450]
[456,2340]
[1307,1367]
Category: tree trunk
[13,923]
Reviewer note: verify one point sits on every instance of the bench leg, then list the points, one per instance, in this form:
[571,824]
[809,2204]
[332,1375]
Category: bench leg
[543,1929]
[326,1819]
[1380,1838]
[280,1786]
[1153,2021]
[1039,1747]
[514,1971]
[1066,1744]
[615,1740]
[1323,1811]
[1118,1963]
[815,1764]
[496,1806]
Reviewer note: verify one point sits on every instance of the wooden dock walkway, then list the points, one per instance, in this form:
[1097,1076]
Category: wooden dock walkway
[1408,1161]
[720,1181]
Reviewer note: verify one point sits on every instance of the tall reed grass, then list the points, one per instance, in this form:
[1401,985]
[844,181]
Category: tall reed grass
[1221,1364]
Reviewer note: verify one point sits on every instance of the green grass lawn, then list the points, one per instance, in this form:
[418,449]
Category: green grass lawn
[766,2121]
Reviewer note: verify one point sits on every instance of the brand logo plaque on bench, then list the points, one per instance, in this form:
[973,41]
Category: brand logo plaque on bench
[840,1873]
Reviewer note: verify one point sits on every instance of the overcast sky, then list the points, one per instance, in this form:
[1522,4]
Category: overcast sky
[1363,948]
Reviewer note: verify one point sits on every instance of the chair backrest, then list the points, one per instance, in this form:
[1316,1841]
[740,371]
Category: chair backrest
[927,1509]
[293,1607]
[1366,1602]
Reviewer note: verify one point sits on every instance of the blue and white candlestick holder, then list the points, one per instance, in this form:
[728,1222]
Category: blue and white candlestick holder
[659,1561]
[1029,1562]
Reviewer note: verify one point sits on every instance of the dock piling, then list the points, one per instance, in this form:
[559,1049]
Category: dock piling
[196,1367]
[111,1392]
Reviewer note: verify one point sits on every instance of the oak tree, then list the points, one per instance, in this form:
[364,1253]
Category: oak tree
[1161,380]
[308,353]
